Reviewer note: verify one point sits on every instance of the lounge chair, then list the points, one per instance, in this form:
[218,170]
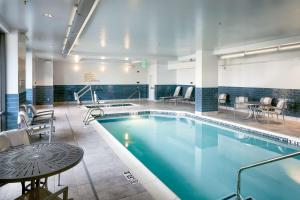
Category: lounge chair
[187,97]
[175,95]
[35,127]
[222,100]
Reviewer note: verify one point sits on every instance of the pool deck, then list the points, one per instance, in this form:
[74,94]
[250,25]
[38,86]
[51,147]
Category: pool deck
[99,175]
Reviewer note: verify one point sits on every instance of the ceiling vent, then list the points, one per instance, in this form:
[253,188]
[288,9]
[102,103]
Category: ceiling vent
[83,13]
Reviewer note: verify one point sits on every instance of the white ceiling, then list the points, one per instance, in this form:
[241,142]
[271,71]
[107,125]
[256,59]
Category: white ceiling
[154,28]
[46,35]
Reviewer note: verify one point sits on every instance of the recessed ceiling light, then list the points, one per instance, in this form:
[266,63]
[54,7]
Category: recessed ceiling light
[126,58]
[48,15]
[102,57]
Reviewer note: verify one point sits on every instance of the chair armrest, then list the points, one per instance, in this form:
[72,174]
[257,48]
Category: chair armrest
[45,111]
[38,126]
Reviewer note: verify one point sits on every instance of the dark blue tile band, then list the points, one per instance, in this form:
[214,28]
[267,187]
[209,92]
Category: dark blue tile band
[105,92]
[206,99]
[29,96]
[43,95]
[12,109]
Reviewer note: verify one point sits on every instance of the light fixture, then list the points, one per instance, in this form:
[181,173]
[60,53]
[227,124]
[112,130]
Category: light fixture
[102,57]
[126,58]
[234,55]
[76,58]
[261,51]
[103,38]
[102,68]
[48,15]
[76,68]
[126,41]
[127,69]
[289,46]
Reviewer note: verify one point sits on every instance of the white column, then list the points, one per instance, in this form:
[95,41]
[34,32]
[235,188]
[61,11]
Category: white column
[29,76]
[152,80]
[12,72]
[206,79]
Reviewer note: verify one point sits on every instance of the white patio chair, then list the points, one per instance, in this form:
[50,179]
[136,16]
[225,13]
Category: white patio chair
[222,100]
[35,127]
[41,112]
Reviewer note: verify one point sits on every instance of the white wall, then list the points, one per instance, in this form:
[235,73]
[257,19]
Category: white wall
[165,76]
[67,73]
[44,72]
[280,70]
[185,76]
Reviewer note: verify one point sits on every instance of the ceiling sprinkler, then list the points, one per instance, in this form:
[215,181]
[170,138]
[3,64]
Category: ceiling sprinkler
[25,2]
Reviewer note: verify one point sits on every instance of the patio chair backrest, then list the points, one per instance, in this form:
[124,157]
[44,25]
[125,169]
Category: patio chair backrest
[177,91]
[23,107]
[266,101]
[4,142]
[241,99]
[188,93]
[281,104]
[32,110]
[23,119]
[17,137]
[222,98]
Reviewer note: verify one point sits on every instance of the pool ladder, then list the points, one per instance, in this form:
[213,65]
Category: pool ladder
[92,114]
[238,195]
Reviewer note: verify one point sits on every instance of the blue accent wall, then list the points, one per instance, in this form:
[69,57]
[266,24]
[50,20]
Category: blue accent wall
[105,92]
[22,98]
[12,109]
[43,95]
[29,96]
[254,94]
[168,90]
[206,99]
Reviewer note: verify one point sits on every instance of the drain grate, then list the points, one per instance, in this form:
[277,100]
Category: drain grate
[130,178]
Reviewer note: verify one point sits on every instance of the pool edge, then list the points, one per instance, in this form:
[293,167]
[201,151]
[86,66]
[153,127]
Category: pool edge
[150,182]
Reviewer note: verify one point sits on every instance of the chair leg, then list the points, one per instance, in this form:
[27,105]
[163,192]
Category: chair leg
[58,180]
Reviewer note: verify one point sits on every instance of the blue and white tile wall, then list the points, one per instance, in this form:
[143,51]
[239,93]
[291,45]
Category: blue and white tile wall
[206,99]
[13,101]
[29,96]
[105,92]
[43,95]
[254,94]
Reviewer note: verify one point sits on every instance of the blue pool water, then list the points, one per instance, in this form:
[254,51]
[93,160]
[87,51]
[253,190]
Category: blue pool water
[198,160]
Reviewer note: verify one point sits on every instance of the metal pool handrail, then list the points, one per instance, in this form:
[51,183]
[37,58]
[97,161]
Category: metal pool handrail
[264,162]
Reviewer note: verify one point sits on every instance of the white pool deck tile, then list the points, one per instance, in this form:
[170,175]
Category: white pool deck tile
[100,174]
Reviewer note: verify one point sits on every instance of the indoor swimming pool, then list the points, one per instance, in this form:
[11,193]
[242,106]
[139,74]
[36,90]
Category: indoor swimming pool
[200,160]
